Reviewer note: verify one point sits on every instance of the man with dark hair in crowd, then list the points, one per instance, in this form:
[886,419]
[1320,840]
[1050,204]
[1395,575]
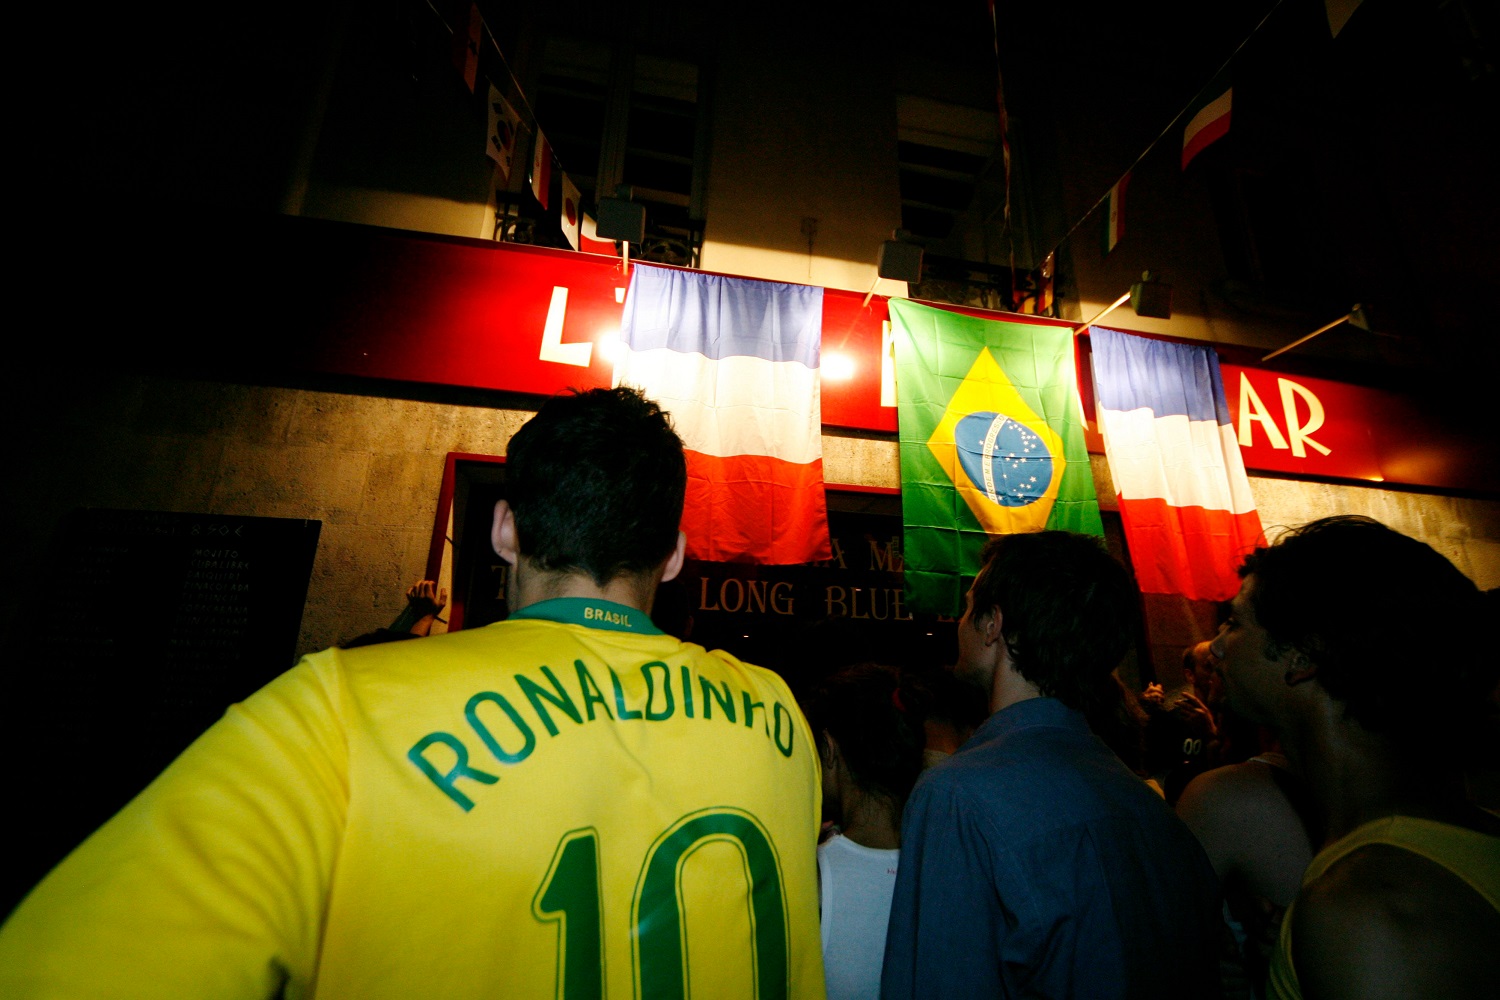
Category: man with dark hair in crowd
[566,803]
[1035,862]
[1366,651]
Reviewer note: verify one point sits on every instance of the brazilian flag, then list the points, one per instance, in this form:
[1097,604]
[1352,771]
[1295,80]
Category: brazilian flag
[991,443]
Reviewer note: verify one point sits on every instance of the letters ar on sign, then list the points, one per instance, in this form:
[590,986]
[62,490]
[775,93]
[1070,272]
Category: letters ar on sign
[1300,424]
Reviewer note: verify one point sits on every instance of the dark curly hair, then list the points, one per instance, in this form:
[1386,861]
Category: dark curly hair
[1389,623]
[1069,613]
[876,717]
[596,480]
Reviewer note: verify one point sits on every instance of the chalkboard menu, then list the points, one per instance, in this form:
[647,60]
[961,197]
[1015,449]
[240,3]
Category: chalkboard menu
[150,626]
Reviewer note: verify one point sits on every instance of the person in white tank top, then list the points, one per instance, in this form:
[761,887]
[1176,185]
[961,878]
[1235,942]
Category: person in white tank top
[870,742]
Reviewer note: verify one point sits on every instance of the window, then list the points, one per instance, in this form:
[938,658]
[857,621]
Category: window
[615,117]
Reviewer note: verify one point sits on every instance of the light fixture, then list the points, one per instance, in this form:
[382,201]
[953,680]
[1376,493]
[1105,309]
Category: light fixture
[837,366]
[1148,297]
[610,344]
[1355,317]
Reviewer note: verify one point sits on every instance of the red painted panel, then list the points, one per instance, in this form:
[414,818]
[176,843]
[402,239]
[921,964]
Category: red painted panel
[853,330]
[458,312]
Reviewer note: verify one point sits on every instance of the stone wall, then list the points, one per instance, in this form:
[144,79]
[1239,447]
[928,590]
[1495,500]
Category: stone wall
[368,467]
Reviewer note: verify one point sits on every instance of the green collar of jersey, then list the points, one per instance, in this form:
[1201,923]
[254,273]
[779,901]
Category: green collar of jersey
[590,613]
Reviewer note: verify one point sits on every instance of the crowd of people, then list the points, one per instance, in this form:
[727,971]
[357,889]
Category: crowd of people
[574,803]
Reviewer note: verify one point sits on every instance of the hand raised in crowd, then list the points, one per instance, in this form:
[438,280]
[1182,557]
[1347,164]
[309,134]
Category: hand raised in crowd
[427,598]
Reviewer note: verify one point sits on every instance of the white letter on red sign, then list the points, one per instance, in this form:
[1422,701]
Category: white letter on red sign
[1301,433]
[1252,409]
[553,349]
[887,365]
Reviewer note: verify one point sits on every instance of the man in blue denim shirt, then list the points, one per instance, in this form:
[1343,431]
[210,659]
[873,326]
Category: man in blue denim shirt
[1034,862]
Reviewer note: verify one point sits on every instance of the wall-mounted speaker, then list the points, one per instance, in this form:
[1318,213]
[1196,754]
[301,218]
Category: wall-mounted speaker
[1151,298]
[620,219]
[900,261]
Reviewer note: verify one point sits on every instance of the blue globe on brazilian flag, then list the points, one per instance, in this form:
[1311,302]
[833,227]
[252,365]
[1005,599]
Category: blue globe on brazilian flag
[991,443]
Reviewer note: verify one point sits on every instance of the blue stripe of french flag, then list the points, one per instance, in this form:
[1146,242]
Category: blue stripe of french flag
[1184,497]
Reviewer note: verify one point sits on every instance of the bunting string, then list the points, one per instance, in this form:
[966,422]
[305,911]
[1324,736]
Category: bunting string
[494,47]
[1103,198]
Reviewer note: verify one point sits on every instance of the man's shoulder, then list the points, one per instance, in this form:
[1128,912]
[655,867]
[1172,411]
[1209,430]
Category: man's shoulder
[1383,915]
[1409,860]
[1033,758]
[1047,780]
[1002,775]
[1220,798]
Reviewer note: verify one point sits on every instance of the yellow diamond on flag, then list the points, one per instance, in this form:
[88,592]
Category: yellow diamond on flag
[1005,461]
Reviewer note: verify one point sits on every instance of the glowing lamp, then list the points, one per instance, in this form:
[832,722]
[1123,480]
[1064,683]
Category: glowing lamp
[837,367]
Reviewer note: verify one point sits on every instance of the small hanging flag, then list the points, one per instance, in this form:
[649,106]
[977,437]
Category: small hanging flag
[1044,284]
[466,47]
[504,121]
[1114,218]
[572,211]
[589,241]
[541,168]
[1004,120]
[1208,117]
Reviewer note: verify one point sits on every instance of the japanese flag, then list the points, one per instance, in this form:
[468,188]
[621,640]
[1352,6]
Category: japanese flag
[572,211]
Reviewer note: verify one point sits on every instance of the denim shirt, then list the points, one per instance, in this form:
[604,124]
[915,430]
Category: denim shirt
[1034,863]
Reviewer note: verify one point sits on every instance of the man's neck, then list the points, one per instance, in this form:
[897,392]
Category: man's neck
[1358,776]
[1009,687]
[871,820]
[532,586]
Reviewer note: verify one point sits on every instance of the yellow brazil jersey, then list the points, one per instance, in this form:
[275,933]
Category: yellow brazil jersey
[568,804]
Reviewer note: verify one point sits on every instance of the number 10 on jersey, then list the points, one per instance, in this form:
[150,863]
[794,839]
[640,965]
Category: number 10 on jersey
[570,895]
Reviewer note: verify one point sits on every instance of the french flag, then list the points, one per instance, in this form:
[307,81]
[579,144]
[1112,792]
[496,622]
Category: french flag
[1184,497]
[735,362]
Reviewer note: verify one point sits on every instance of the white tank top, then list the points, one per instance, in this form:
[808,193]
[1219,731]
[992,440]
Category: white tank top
[856,885]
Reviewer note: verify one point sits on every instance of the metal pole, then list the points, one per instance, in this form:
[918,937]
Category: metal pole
[1113,306]
[1322,329]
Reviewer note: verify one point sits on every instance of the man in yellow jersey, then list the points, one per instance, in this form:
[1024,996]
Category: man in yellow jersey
[566,804]
[1361,647]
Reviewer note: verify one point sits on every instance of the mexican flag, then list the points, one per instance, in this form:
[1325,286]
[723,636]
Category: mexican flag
[991,440]
[1114,220]
[1208,117]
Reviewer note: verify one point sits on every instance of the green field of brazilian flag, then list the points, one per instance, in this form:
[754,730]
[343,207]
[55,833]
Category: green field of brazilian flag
[991,443]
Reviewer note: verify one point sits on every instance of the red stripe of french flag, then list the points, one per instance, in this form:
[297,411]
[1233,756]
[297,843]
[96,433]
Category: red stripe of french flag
[1186,549]
[753,508]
